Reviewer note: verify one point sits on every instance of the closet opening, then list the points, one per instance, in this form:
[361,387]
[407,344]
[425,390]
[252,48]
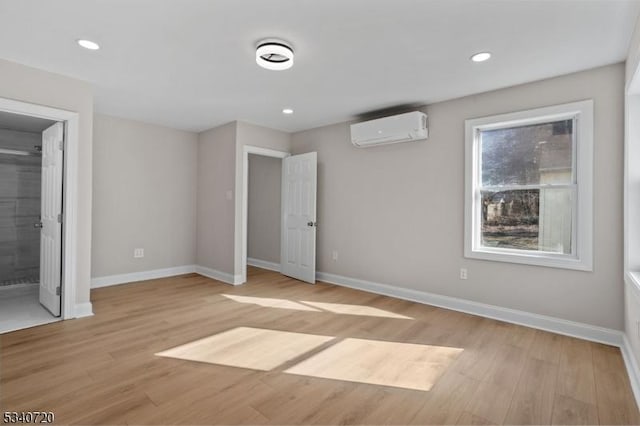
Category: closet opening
[31,220]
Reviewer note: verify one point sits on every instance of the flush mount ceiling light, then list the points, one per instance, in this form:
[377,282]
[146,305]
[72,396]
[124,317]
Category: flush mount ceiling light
[88,44]
[287,111]
[481,57]
[274,55]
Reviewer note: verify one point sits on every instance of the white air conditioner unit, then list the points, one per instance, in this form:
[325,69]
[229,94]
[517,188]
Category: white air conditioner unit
[410,126]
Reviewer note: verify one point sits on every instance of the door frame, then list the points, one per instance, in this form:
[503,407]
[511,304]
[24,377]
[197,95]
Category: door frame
[266,152]
[69,192]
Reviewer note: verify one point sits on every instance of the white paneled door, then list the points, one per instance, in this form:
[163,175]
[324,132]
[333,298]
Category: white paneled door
[298,256]
[51,218]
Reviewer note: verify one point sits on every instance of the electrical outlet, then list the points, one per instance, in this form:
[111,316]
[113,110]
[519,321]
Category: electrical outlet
[138,253]
[463,273]
[334,255]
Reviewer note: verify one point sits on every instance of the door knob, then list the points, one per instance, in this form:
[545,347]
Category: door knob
[37,225]
[311,224]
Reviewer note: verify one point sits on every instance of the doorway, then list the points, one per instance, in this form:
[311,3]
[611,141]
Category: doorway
[254,152]
[297,215]
[31,243]
[264,207]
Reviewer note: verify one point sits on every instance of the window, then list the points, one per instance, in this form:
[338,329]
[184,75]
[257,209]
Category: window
[529,187]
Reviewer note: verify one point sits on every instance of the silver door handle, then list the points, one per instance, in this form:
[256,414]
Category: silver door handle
[312,224]
[37,225]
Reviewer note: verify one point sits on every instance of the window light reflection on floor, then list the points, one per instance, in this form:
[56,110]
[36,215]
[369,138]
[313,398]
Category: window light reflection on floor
[270,303]
[305,305]
[248,347]
[341,308]
[402,365]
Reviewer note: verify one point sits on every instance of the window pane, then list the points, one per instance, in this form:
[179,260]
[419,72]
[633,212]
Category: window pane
[528,155]
[534,219]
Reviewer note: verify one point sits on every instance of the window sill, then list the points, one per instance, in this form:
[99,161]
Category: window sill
[530,259]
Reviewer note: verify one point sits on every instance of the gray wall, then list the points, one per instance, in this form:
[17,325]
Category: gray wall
[144,196]
[44,88]
[20,189]
[215,211]
[263,224]
[220,180]
[395,214]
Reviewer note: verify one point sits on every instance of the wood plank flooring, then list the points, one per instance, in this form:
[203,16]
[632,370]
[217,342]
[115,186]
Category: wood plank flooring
[104,369]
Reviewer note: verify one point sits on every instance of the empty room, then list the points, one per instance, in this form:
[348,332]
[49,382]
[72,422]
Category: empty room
[297,212]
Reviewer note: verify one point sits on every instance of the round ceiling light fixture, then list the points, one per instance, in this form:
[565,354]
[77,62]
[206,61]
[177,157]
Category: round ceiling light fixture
[274,55]
[481,57]
[88,44]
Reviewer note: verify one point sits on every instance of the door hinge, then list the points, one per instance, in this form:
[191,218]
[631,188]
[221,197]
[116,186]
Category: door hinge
[60,218]
[58,291]
[61,145]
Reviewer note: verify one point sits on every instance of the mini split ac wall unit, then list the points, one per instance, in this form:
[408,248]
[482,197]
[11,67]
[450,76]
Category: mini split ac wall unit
[407,127]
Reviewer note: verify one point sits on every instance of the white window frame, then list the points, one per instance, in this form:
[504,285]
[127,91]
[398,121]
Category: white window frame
[582,227]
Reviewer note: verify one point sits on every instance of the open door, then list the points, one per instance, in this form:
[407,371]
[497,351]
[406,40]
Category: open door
[51,218]
[298,240]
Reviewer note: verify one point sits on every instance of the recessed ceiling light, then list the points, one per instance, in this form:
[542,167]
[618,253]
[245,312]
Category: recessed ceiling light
[481,57]
[287,111]
[88,44]
[274,55]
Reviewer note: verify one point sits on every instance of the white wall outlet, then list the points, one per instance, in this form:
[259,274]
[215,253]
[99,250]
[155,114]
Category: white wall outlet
[229,195]
[463,273]
[138,253]
[334,255]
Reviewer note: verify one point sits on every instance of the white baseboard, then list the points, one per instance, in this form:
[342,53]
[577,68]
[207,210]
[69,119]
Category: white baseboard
[542,322]
[264,264]
[141,276]
[219,275]
[83,310]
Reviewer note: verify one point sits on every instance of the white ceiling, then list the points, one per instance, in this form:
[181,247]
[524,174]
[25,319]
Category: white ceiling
[190,64]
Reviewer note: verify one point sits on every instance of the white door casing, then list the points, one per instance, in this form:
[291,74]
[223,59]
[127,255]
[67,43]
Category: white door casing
[298,235]
[51,218]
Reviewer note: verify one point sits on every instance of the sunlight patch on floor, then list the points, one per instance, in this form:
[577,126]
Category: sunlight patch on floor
[305,305]
[270,303]
[402,365]
[341,308]
[248,347]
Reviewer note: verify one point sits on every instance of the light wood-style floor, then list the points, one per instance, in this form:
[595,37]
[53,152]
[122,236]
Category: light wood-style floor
[104,369]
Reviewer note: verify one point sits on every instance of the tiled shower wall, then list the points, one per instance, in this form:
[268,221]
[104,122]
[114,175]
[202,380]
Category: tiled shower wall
[19,209]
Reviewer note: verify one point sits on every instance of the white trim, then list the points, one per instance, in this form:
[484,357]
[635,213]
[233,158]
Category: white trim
[541,322]
[632,367]
[118,279]
[264,264]
[632,285]
[70,197]
[248,149]
[110,280]
[631,207]
[582,235]
[218,275]
[83,310]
